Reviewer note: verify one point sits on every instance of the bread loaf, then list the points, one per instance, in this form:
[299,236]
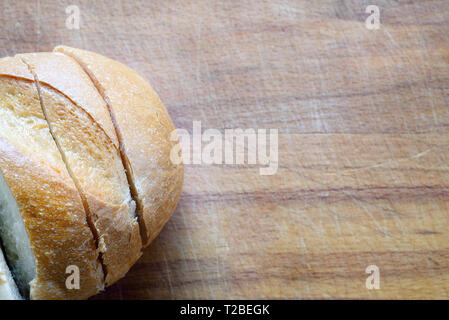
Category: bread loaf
[85,159]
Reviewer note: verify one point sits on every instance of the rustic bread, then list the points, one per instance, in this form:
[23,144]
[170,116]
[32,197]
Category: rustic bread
[87,169]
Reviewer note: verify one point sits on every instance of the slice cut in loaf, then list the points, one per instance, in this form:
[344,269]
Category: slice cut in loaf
[81,125]
[143,128]
[44,227]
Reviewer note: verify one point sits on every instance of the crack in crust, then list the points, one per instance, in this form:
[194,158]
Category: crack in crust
[81,193]
[125,161]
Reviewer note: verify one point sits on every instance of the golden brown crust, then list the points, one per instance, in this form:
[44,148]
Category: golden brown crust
[47,198]
[145,128]
[65,75]
[93,159]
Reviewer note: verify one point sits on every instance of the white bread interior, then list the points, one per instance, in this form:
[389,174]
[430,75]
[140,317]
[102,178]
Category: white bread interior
[15,239]
[8,288]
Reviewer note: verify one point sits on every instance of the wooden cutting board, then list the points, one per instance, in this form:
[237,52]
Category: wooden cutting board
[363,121]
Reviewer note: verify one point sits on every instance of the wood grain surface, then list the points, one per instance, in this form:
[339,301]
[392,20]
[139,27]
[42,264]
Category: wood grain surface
[363,120]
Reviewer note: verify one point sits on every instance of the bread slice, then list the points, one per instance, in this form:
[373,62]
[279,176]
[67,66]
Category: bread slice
[44,225]
[143,128]
[81,125]
[8,288]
